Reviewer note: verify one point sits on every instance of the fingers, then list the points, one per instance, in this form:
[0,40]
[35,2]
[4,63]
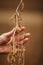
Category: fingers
[9,34]
[23,41]
[6,36]
[23,36]
[26,35]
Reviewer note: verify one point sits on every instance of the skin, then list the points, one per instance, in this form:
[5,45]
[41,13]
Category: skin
[5,46]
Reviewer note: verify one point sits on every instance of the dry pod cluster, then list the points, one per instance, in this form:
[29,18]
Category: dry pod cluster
[16,56]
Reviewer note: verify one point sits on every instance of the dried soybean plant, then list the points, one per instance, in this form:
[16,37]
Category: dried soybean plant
[16,55]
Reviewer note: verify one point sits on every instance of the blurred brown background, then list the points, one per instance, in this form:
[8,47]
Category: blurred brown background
[32,20]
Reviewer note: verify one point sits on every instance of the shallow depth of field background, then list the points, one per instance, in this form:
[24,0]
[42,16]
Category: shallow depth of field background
[32,20]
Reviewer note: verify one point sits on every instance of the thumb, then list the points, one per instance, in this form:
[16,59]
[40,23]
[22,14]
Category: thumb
[6,36]
[9,34]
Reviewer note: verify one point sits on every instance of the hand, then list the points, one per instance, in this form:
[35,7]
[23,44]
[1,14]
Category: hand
[5,38]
